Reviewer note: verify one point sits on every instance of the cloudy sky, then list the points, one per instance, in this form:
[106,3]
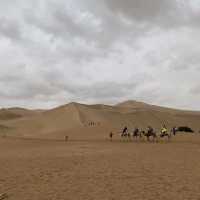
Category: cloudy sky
[90,51]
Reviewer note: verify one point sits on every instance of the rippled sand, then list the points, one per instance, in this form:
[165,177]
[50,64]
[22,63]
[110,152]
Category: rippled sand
[100,170]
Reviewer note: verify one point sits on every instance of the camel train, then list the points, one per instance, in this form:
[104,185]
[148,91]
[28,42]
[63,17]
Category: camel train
[150,134]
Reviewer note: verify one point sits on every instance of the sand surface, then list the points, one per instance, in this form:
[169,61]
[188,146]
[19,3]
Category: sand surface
[100,170]
[81,121]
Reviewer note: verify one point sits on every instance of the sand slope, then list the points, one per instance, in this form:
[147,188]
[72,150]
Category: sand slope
[92,121]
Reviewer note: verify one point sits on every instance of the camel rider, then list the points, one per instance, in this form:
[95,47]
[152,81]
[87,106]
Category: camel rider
[149,130]
[135,132]
[124,131]
[163,130]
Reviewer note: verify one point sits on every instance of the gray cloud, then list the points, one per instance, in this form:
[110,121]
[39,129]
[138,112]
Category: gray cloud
[10,29]
[53,52]
[143,10]
[166,13]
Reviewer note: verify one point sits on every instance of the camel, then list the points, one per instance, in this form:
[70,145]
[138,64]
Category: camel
[150,133]
[125,133]
[137,134]
[166,134]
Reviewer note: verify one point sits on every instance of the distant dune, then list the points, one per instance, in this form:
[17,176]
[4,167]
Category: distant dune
[81,121]
[14,113]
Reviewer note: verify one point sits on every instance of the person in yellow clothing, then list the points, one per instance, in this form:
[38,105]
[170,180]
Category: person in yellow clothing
[163,131]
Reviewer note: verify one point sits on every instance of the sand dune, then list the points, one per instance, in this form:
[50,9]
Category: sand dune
[15,113]
[97,168]
[92,121]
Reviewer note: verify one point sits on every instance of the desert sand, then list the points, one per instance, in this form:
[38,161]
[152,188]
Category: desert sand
[44,169]
[37,164]
[79,121]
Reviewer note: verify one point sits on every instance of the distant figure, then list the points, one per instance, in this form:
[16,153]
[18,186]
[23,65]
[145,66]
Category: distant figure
[136,133]
[150,133]
[111,136]
[150,130]
[124,132]
[66,138]
[163,131]
[174,130]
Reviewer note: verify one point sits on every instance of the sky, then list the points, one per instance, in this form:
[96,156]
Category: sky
[56,51]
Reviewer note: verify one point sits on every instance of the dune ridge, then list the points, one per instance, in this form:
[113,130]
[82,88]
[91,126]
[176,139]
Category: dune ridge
[92,121]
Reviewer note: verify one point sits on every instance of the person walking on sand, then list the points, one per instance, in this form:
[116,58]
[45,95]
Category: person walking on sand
[111,136]
[174,130]
[66,138]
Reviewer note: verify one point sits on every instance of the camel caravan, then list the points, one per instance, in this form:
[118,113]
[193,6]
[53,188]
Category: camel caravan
[150,134]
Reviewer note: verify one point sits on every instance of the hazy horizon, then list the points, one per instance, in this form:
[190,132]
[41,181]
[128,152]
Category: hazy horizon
[97,103]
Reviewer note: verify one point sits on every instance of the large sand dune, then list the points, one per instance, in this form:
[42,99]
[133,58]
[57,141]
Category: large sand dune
[80,121]
[89,166]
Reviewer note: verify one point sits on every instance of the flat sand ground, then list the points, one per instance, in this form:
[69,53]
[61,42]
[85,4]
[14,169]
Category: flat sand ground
[100,170]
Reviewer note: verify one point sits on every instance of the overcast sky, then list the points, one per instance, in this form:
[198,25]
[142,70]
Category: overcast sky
[99,51]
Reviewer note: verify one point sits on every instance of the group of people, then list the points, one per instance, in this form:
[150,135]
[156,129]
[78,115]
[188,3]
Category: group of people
[150,132]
